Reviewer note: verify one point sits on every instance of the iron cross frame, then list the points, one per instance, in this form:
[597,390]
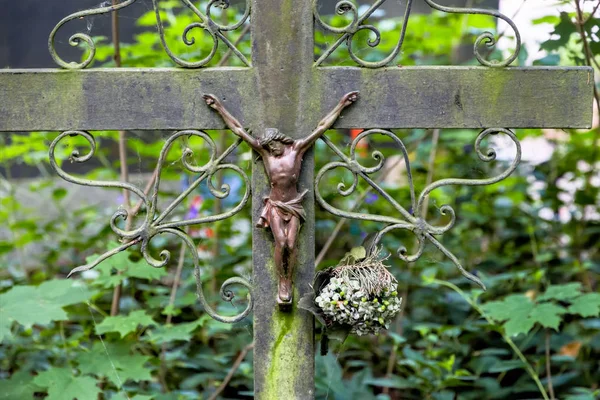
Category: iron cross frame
[284,88]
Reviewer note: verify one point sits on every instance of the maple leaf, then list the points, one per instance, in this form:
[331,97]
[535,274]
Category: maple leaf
[520,314]
[19,386]
[62,384]
[561,292]
[39,305]
[170,333]
[125,324]
[114,362]
[588,305]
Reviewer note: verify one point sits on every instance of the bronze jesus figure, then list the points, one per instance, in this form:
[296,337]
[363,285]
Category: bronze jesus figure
[282,210]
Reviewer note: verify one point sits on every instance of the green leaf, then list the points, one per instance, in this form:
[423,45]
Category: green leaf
[128,268]
[170,333]
[513,306]
[125,324]
[114,362]
[59,193]
[561,292]
[141,269]
[394,382]
[505,365]
[19,386]
[62,384]
[521,314]
[5,325]
[516,326]
[39,305]
[587,305]
[132,368]
[358,253]
[547,315]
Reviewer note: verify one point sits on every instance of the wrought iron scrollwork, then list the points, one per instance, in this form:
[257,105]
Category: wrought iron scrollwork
[206,23]
[213,28]
[349,31]
[413,219]
[154,222]
[486,38]
[77,38]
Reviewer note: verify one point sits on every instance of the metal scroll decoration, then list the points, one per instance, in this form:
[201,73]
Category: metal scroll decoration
[155,222]
[357,24]
[211,27]
[411,220]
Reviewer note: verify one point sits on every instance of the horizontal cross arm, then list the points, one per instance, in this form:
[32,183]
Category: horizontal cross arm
[408,97]
[461,97]
[120,99]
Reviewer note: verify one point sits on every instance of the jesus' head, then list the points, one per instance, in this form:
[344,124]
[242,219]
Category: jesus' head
[274,141]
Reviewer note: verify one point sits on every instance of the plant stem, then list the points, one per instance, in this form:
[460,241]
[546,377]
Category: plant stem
[176,281]
[506,338]
[548,371]
[116,298]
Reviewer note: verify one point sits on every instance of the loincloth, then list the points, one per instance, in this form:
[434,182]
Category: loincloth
[285,209]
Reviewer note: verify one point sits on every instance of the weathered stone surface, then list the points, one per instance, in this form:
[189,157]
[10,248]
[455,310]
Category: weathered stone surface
[119,99]
[464,97]
[282,54]
[414,97]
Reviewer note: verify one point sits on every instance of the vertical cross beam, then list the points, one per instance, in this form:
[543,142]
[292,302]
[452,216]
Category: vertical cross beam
[282,56]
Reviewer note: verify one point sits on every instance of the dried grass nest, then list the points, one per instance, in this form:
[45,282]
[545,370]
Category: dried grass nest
[357,296]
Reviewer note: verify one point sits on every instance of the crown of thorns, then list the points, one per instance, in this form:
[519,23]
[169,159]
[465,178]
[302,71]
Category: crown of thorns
[272,134]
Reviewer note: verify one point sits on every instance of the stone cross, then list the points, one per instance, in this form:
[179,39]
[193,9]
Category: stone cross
[284,88]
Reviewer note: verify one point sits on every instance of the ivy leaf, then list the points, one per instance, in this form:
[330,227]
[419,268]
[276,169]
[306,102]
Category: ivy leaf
[125,324]
[141,269]
[62,384]
[170,333]
[561,292]
[132,368]
[128,268]
[19,386]
[39,305]
[518,325]
[521,314]
[114,362]
[587,305]
[98,362]
[106,279]
[547,315]
[513,306]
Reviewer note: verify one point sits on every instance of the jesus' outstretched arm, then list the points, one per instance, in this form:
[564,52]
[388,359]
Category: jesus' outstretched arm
[231,122]
[327,122]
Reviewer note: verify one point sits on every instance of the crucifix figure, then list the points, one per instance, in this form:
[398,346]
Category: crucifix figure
[282,209]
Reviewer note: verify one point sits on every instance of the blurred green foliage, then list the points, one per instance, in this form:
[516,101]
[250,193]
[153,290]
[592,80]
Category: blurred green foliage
[533,239]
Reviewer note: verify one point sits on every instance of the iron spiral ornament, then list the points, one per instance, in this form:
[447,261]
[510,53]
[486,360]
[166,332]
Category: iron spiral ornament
[409,219]
[358,23]
[156,223]
[205,23]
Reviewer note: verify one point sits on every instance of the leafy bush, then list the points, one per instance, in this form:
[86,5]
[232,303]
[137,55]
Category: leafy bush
[533,240]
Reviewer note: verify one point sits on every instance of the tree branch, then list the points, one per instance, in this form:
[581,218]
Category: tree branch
[231,372]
